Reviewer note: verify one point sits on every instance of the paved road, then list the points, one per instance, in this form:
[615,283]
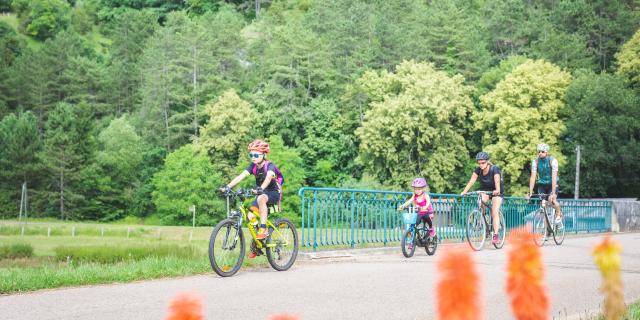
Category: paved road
[375,286]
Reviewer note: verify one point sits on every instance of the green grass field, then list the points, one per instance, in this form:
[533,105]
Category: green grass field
[102,253]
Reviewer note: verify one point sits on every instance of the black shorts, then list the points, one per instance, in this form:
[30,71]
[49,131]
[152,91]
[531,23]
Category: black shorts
[425,218]
[274,198]
[546,189]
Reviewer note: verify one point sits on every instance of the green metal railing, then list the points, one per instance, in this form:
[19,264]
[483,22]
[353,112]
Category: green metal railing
[334,217]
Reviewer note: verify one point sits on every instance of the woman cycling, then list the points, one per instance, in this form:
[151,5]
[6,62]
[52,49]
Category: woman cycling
[490,180]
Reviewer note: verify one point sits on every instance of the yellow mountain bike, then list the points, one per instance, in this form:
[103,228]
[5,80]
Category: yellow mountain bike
[227,242]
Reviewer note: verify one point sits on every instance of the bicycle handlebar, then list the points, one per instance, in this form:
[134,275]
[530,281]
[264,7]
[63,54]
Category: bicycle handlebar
[241,193]
[470,193]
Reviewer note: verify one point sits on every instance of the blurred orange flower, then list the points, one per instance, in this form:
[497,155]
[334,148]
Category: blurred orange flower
[458,288]
[185,306]
[525,275]
[607,258]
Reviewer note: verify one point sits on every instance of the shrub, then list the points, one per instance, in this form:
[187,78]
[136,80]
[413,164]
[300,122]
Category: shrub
[16,250]
[108,254]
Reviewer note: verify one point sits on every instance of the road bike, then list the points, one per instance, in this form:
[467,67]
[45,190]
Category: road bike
[227,242]
[416,236]
[479,226]
[542,225]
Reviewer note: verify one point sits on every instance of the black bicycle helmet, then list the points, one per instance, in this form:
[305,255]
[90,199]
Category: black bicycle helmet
[482,156]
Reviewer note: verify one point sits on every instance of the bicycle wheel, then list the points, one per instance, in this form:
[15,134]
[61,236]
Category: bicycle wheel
[475,230]
[539,227]
[502,232]
[226,248]
[408,243]
[282,245]
[558,231]
[432,245]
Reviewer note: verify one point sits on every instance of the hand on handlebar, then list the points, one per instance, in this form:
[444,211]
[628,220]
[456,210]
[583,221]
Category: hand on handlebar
[224,189]
[496,193]
[258,190]
[528,196]
[463,193]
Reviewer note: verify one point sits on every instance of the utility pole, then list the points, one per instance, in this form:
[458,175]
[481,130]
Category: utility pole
[577,187]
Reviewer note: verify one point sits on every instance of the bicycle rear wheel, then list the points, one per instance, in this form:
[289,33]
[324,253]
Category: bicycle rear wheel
[539,227]
[226,248]
[475,230]
[502,232]
[432,245]
[408,243]
[282,246]
[558,231]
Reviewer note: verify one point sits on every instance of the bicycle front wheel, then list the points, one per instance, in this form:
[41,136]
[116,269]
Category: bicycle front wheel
[408,245]
[539,227]
[502,232]
[476,230]
[558,231]
[282,245]
[226,248]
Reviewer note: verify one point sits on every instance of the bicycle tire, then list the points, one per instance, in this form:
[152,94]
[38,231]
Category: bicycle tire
[275,254]
[558,231]
[406,251]
[475,230]
[502,231]
[432,245]
[230,262]
[539,227]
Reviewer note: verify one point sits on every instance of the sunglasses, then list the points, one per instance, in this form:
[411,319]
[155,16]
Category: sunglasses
[540,151]
[482,162]
[255,155]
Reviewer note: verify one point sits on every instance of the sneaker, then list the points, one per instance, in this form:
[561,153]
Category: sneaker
[410,247]
[432,233]
[495,239]
[252,255]
[262,234]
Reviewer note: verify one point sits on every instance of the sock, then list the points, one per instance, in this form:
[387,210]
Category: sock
[263,226]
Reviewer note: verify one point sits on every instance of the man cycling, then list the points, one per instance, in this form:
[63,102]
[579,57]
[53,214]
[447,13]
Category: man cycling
[545,168]
[490,180]
[267,187]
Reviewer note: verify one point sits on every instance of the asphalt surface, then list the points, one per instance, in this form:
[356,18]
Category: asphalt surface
[372,284]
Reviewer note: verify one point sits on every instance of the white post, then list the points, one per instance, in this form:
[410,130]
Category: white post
[102,232]
[73,231]
[577,186]
[193,210]
[49,232]
[22,232]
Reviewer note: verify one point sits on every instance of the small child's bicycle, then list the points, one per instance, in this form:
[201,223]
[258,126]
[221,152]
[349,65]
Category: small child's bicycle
[416,236]
[227,244]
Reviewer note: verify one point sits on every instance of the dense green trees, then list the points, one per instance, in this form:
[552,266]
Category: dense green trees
[526,108]
[110,108]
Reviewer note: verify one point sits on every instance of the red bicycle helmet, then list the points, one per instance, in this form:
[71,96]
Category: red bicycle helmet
[259,145]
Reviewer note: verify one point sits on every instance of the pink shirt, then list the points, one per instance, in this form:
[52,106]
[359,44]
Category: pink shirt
[422,209]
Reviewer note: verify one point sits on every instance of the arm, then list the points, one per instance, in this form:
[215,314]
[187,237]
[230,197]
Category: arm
[426,196]
[496,181]
[554,176]
[532,182]
[474,176]
[267,179]
[406,204]
[237,179]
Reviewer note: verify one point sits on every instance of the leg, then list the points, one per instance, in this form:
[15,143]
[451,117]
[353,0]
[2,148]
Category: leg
[262,206]
[495,213]
[556,205]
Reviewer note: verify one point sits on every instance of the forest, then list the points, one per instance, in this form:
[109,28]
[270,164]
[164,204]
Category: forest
[140,108]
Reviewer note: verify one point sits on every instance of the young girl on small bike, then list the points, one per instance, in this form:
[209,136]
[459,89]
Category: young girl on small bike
[422,202]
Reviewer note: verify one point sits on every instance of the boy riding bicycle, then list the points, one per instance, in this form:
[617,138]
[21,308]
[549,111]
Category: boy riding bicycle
[422,201]
[267,188]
